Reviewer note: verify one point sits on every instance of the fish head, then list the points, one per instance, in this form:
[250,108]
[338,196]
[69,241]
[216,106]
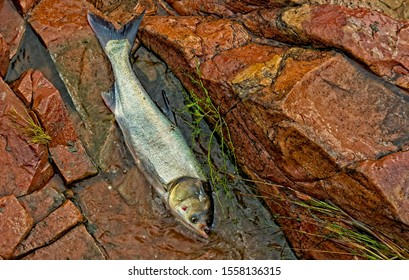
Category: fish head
[189,202]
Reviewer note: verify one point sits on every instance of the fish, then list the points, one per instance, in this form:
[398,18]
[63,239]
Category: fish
[156,144]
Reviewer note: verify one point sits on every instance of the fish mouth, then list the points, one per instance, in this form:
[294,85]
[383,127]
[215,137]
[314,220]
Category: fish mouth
[203,230]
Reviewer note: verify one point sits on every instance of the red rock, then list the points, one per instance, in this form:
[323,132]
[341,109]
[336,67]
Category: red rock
[203,37]
[51,228]
[77,244]
[42,202]
[354,117]
[391,177]
[140,229]
[12,26]
[49,107]
[266,23]
[226,8]
[81,63]
[222,8]
[24,165]
[4,57]
[373,38]
[23,88]
[72,161]
[25,5]
[66,149]
[299,117]
[44,14]
[15,223]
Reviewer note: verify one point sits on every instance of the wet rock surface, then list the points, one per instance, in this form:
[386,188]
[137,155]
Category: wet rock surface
[359,117]
[315,97]
[25,164]
[15,223]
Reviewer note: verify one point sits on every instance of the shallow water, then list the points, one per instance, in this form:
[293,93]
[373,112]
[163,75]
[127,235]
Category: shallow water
[129,221]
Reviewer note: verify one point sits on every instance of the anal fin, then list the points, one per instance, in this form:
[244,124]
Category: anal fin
[168,110]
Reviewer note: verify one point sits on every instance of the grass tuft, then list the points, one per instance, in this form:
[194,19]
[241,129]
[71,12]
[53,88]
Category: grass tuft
[31,127]
[355,237]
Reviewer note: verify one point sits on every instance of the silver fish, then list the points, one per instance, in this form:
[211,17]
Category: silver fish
[156,144]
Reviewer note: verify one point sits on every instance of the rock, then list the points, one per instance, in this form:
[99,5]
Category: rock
[12,26]
[81,64]
[42,202]
[300,118]
[77,244]
[4,57]
[72,161]
[51,228]
[24,165]
[23,88]
[25,5]
[377,173]
[266,23]
[372,37]
[15,223]
[123,11]
[140,228]
[66,149]
[204,37]
[394,8]
[355,116]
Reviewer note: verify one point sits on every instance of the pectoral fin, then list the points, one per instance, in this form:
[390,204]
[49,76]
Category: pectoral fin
[109,99]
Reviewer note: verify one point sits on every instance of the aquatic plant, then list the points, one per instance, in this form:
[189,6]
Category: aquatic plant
[356,238]
[353,236]
[201,107]
[30,127]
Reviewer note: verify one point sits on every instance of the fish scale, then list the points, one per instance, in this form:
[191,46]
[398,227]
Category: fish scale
[158,144]
[158,147]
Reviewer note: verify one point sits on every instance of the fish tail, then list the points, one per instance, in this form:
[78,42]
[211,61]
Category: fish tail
[105,31]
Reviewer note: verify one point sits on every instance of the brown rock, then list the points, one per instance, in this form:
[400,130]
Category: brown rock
[15,223]
[51,228]
[72,161]
[49,107]
[81,64]
[267,23]
[46,101]
[390,176]
[25,5]
[12,26]
[140,228]
[24,165]
[23,88]
[289,128]
[394,8]
[224,8]
[203,37]
[355,116]
[42,202]
[4,57]
[66,149]
[77,244]
[373,38]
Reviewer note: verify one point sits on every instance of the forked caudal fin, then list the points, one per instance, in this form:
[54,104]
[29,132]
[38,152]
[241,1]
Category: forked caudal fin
[106,31]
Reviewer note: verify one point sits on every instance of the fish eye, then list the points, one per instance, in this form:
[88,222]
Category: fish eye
[194,219]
